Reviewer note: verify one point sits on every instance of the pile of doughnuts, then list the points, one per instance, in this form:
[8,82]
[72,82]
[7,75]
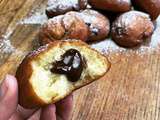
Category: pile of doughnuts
[76,19]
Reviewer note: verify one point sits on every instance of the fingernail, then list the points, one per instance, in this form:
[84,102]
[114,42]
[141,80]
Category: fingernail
[3,88]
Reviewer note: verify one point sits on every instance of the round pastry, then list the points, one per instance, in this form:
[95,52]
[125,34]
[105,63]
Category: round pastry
[152,7]
[98,24]
[131,28]
[52,72]
[111,5]
[58,7]
[63,27]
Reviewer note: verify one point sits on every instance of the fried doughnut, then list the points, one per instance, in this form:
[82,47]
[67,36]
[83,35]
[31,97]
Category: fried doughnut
[111,5]
[52,72]
[63,27]
[98,24]
[132,28]
[152,7]
[59,7]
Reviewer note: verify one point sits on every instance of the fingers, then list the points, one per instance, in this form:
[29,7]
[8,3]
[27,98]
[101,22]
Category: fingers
[64,107]
[36,115]
[8,97]
[61,111]
[25,113]
[16,117]
[22,113]
[48,113]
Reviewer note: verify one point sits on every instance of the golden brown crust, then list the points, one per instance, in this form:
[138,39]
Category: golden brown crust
[92,24]
[27,96]
[111,5]
[25,89]
[98,24]
[152,7]
[62,28]
[131,28]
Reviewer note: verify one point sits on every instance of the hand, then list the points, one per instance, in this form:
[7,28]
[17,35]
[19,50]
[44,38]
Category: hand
[10,110]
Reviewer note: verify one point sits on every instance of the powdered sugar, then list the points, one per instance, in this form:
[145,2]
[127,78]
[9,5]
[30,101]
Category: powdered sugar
[107,46]
[151,45]
[156,35]
[35,17]
[5,46]
[61,4]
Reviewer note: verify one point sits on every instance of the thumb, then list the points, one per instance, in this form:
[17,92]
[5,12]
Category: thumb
[8,97]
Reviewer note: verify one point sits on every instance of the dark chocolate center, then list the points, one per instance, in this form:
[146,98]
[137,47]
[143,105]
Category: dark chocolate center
[71,65]
[120,31]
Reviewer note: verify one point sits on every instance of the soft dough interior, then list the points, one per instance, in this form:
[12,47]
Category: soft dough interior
[50,86]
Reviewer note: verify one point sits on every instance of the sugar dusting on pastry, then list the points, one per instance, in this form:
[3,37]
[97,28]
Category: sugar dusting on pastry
[151,45]
[107,46]
[6,47]
[61,4]
[37,16]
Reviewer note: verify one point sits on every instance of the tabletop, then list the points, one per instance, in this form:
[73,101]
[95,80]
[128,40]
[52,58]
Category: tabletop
[129,91]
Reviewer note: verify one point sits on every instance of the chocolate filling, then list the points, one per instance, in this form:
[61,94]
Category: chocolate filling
[71,65]
[120,31]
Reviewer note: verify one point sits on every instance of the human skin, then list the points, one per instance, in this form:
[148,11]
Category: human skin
[10,110]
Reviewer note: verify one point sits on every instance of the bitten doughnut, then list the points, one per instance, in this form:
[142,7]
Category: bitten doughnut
[63,27]
[52,72]
[58,7]
[132,28]
[111,5]
[152,7]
